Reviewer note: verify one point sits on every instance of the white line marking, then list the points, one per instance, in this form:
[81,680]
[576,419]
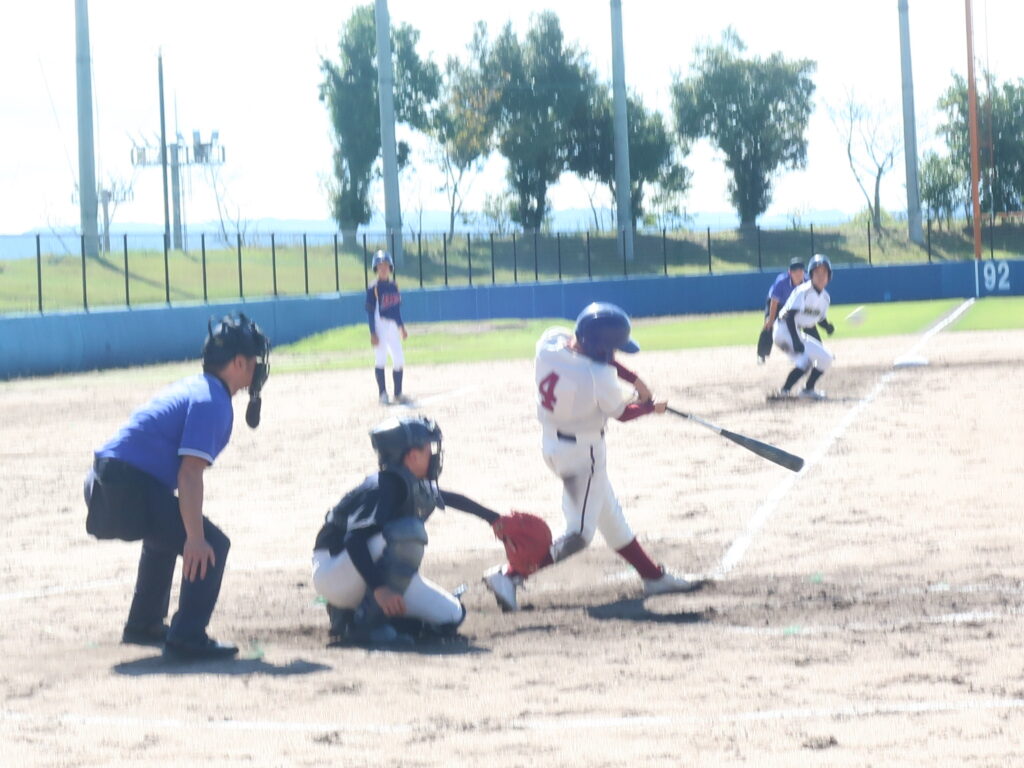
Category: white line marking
[915,350]
[85,586]
[764,512]
[858,710]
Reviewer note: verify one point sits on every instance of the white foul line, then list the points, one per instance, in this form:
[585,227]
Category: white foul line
[768,507]
[863,709]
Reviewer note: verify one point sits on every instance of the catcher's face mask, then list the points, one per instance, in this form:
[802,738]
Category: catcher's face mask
[259,376]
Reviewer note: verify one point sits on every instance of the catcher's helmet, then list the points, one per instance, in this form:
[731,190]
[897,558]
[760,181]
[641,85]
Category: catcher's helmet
[381,257]
[393,438]
[819,260]
[233,335]
[603,328]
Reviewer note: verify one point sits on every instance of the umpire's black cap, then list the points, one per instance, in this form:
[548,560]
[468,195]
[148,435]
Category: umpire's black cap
[796,263]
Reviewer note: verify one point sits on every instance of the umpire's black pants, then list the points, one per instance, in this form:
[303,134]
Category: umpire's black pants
[129,504]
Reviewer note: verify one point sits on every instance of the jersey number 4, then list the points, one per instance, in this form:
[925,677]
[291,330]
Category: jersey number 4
[547,391]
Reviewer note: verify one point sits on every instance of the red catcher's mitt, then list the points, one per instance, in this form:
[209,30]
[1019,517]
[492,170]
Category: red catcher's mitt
[527,540]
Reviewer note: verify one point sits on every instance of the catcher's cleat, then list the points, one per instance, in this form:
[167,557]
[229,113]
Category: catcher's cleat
[670,583]
[812,394]
[384,400]
[152,634]
[503,587]
[341,622]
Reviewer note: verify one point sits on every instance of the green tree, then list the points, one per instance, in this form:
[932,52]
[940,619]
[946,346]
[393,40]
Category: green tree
[1000,136]
[540,85]
[349,89]
[652,155]
[754,110]
[943,187]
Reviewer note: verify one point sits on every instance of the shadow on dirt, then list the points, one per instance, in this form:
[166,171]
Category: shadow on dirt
[457,646]
[635,610]
[158,665]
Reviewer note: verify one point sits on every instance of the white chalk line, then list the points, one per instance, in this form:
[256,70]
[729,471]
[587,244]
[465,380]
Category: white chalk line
[768,507]
[864,709]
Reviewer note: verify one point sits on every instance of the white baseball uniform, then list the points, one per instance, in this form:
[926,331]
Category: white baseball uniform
[809,306]
[575,398]
[389,339]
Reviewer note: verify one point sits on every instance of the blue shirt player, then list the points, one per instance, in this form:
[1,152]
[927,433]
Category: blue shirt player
[778,294]
[147,483]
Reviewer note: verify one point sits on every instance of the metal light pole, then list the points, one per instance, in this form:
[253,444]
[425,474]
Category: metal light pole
[87,201]
[389,151]
[163,144]
[910,131]
[972,110]
[624,214]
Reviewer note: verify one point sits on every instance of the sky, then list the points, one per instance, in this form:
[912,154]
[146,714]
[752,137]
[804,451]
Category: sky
[251,70]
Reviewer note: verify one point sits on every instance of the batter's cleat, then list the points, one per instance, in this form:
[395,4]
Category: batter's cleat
[671,583]
[204,649]
[812,394]
[383,399]
[151,634]
[503,587]
[402,400]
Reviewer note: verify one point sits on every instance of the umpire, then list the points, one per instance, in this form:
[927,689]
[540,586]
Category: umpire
[778,294]
[165,446]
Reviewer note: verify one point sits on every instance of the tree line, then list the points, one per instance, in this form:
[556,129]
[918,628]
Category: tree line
[538,102]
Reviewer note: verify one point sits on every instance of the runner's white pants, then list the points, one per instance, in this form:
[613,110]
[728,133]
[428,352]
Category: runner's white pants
[588,501]
[815,353]
[389,340]
[337,581]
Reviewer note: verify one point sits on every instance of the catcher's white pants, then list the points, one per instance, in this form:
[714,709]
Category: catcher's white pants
[588,501]
[815,353]
[337,581]
[389,339]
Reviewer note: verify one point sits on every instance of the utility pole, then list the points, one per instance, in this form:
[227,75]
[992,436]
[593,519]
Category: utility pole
[389,150]
[910,131]
[86,156]
[972,110]
[624,212]
[163,144]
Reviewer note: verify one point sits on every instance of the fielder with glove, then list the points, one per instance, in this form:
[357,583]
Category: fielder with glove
[367,555]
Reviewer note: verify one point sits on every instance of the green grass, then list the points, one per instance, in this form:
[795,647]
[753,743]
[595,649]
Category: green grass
[479,259]
[438,343]
[993,313]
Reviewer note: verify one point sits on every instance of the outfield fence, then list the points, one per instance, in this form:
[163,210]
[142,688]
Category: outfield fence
[45,273]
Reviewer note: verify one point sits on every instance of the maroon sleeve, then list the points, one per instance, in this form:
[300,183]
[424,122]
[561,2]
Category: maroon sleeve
[636,410]
[624,373]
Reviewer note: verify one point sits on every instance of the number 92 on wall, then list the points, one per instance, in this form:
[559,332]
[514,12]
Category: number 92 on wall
[995,276]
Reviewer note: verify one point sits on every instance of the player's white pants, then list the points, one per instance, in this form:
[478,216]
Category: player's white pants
[588,501]
[389,339]
[815,353]
[337,581]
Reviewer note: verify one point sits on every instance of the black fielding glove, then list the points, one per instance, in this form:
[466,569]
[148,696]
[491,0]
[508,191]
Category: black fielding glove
[829,328]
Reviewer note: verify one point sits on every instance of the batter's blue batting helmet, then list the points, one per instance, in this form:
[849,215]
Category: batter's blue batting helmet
[380,257]
[603,328]
[393,438]
[819,260]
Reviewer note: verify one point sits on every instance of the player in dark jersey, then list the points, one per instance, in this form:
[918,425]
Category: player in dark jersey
[383,310]
[367,555]
[165,447]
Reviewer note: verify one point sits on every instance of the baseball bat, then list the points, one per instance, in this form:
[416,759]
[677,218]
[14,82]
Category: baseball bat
[770,452]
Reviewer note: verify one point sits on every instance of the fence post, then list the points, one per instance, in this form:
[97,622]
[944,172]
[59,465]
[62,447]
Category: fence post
[167,269]
[305,262]
[664,250]
[39,272]
[709,250]
[492,258]
[760,267]
[991,236]
[419,253]
[124,249]
[202,243]
[812,239]
[366,266]
[869,241]
[392,244]
[469,257]
[85,294]
[558,243]
[337,276]
[929,241]
[273,260]
[515,260]
[444,249]
[590,275]
[536,258]
[241,288]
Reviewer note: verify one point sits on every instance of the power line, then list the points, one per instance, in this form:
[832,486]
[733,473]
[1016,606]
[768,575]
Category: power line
[56,117]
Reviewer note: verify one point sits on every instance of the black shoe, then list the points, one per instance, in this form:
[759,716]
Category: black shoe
[151,634]
[341,622]
[197,650]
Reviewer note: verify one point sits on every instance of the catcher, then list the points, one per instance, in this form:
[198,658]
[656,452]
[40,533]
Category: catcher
[367,555]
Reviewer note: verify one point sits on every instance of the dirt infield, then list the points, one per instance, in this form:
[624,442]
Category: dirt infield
[870,611]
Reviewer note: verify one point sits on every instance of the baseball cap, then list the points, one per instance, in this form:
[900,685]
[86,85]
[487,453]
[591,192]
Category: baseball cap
[796,264]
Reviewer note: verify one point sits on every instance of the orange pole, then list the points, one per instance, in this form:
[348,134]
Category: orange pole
[972,112]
